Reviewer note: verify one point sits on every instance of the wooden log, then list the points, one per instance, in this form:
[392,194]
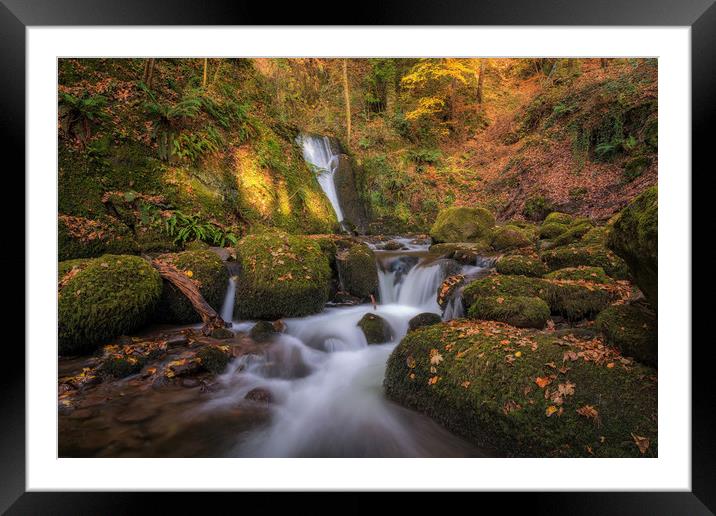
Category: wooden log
[186,286]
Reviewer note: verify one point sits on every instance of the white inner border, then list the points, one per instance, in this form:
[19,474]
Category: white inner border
[672,470]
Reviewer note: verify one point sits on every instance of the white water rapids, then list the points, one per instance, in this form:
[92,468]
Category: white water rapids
[326,381]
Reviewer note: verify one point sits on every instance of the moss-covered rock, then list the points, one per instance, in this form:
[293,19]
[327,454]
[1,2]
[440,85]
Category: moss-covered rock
[462,225]
[207,270]
[214,358]
[424,319]
[596,235]
[575,255]
[573,233]
[120,365]
[521,265]
[520,311]
[569,300]
[634,237]
[110,296]
[357,270]
[506,285]
[552,230]
[500,387]
[263,331]
[592,274]
[463,252]
[557,217]
[509,237]
[79,237]
[281,276]
[375,328]
[64,267]
[632,329]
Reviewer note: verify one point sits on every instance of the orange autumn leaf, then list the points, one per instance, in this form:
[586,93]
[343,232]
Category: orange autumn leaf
[550,410]
[542,382]
[641,442]
[433,380]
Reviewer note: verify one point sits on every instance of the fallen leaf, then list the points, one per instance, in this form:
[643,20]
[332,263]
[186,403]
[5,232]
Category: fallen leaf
[410,361]
[435,357]
[518,354]
[433,380]
[641,442]
[189,273]
[465,384]
[610,365]
[550,410]
[542,382]
[589,412]
[500,300]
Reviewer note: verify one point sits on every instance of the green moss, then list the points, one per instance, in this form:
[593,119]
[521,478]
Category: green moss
[78,237]
[574,233]
[597,235]
[635,167]
[575,255]
[634,237]
[207,271]
[262,331]
[571,301]
[214,358]
[112,295]
[424,319]
[521,265]
[462,225]
[519,311]
[282,276]
[592,274]
[357,271]
[499,285]
[375,328]
[119,365]
[481,389]
[509,237]
[552,230]
[557,217]
[632,329]
[66,266]
[537,208]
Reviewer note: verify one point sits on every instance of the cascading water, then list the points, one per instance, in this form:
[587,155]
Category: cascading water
[320,154]
[326,381]
[227,307]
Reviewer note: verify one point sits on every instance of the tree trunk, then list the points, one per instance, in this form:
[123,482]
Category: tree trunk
[206,69]
[148,73]
[347,100]
[480,82]
[186,286]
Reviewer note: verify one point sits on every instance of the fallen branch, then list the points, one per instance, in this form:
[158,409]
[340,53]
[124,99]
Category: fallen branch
[186,286]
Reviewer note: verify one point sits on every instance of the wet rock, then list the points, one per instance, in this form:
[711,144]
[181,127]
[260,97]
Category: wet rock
[356,268]
[136,415]
[259,394]
[449,288]
[344,298]
[279,326]
[184,367]
[222,333]
[124,340]
[214,358]
[392,245]
[424,319]
[189,382]
[263,331]
[119,365]
[175,341]
[347,190]
[375,328]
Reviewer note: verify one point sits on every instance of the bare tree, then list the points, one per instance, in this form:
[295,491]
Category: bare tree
[347,99]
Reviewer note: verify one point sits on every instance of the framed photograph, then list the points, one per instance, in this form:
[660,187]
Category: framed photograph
[441,249]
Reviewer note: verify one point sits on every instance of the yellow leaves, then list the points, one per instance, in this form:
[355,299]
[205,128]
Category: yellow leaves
[500,300]
[189,274]
[284,277]
[550,410]
[610,365]
[518,354]
[542,382]
[410,361]
[641,442]
[433,380]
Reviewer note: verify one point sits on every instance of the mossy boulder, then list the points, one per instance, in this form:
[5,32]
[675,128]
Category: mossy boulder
[375,328]
[501,387]
[119,365]
[520,311]
[207,270]
[596,235]
[552,230]
[569,300]
[506,285]
[64,267]
[521,265]
[263,331]
[558,218]
[464,252]
[591,274]
[357,271]
[509,237]
[281,276]
[634,237]
[424,319]
[632,329]
[576,255]
[573,233]
[110,296]
[79,237]
[461,224]
[214,358]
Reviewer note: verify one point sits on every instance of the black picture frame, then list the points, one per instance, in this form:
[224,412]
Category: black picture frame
[699,15]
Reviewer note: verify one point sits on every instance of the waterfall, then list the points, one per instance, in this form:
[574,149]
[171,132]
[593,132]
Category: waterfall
[227,307]
[320,154]
[408,281]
